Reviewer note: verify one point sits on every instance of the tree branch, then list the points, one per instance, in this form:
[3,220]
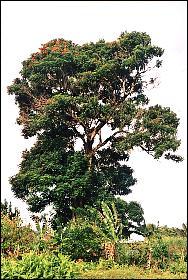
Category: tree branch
[97,129]
[146,150]
[75,118]
[107,140]
[81,136]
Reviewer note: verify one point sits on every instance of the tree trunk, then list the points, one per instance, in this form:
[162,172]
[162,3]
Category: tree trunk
[89,151]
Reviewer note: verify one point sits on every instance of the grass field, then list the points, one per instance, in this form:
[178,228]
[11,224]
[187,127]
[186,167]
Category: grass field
[131,272]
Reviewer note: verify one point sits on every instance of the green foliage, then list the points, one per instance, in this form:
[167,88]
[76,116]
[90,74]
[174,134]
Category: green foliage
[45,235]
[166,249]
[159,256]
[43,266]
[161,253]
[85,236]
[16,238]
[6,209]
[112,225]
[132,217]
[132,254]
[163,231]
[81,240]
[91,94]
[178,267]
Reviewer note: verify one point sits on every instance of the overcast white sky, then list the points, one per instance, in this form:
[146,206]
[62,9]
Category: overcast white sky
[161,187]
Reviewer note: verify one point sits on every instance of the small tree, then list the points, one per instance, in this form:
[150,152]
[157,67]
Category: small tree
[132,217]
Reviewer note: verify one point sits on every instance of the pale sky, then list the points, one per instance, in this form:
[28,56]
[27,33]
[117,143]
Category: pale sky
[162,185]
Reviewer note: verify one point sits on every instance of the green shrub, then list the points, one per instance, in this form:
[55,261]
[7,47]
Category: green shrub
[16,238]
[132,254]
[82,241]
[43,266]
[178,267]
[160,254]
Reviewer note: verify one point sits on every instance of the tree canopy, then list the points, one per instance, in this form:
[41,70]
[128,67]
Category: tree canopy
[87,106]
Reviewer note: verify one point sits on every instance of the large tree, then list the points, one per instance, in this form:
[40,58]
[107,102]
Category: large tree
[88,108]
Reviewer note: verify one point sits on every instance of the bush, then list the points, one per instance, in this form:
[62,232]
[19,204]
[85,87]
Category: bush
[82,241]
[16,239]
[43,266]
[160,254]
[132,254]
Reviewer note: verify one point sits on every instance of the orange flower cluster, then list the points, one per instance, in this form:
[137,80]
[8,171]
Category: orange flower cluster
[57,45]
[34,56]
